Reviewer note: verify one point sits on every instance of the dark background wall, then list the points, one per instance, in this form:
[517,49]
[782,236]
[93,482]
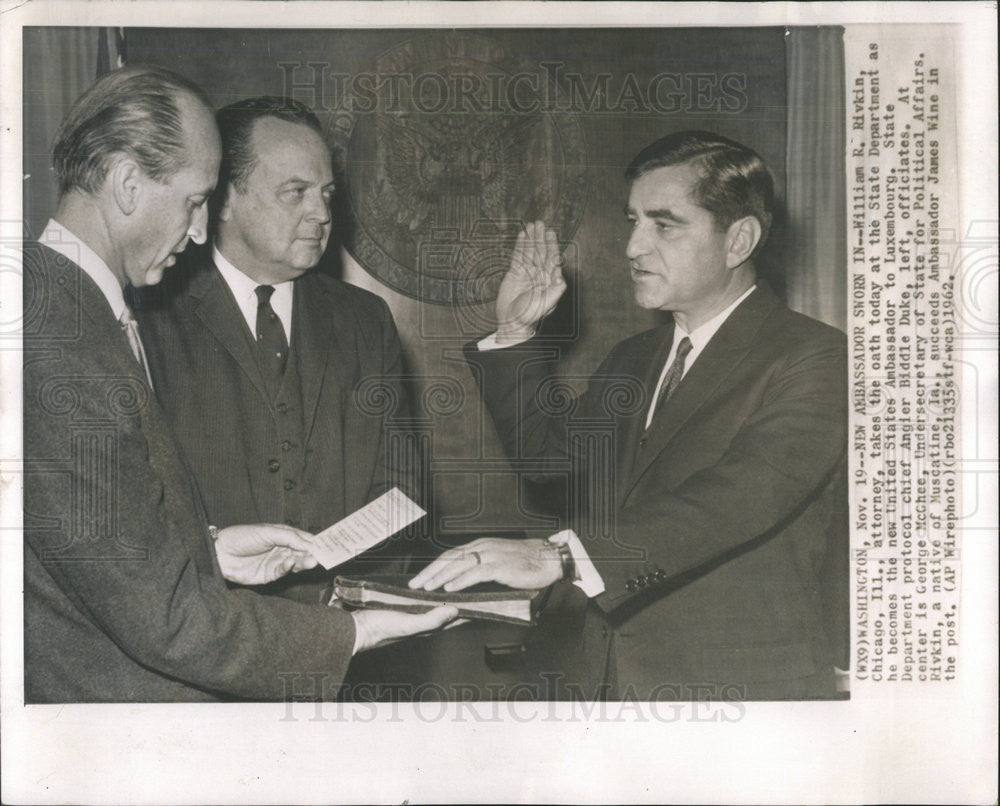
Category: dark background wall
[422,171]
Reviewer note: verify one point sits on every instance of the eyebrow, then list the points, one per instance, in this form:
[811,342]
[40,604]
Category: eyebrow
[664,214]
[298,181]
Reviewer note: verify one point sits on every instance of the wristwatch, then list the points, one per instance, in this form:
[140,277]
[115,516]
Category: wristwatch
[566,560]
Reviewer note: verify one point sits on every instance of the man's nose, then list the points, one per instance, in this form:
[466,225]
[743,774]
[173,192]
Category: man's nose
[198,231]
[637,243]
[319,208]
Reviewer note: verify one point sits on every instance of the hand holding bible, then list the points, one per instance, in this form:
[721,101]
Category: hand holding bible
[377,628]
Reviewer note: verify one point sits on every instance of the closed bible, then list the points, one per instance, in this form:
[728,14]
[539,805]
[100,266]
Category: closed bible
[489,602]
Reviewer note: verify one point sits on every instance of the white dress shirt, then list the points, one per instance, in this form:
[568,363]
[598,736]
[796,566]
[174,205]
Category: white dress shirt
[59,239]
[590,581]
[699,338]
[245,293]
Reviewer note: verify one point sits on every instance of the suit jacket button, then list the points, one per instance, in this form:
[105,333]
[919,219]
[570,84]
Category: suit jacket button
[274,465]
[286,446]
[660,574]
[289,484]
[282,407]
[604,632]
[630,585]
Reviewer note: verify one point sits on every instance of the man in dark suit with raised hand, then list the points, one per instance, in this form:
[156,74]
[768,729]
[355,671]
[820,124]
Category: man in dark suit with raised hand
[125,580]
[259,361]
[723,572]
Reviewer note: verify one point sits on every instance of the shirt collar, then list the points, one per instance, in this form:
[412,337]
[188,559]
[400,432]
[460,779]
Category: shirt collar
[702,334]
[240,284]
[699,338]
[243,288]
[59,239]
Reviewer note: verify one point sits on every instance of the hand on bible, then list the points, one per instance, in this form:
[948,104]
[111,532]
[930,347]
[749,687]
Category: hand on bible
[255,554]
[530,564]
[532,286]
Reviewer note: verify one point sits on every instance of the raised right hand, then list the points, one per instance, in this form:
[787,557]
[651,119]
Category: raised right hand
[532,286]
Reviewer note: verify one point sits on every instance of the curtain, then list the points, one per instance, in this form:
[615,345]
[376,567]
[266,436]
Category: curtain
[816,272]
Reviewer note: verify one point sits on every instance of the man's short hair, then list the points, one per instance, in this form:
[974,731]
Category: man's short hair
[733,180]
[132,111]
[236,123]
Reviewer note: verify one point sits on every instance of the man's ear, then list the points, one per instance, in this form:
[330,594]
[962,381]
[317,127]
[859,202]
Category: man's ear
[226,210]
[126,184]
[741,239]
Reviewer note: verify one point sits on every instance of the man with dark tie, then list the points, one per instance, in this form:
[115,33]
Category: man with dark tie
[125,580]
[259,362]
[722,574]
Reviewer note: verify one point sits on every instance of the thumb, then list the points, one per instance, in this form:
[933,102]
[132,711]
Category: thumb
[552,294]
[292,562]
[293,538]
[301,561]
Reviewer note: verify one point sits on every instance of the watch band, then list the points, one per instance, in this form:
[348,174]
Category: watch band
[565,559]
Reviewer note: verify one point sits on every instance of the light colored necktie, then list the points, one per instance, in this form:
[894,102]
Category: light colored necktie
[131,328]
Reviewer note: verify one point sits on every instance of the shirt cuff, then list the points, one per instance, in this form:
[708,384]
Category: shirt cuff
[590,581]
[490,343]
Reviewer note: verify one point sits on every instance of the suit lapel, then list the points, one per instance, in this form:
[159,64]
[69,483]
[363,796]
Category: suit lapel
[220,314]
[723,354]
[322,344]
[105,337]
[86,298]
[648,368]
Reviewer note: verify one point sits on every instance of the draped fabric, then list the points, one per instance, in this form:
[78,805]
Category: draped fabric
[816,254]
[59,64]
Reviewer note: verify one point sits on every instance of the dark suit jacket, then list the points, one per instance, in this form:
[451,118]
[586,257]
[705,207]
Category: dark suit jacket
[720,532]
[123,599]
[208,380]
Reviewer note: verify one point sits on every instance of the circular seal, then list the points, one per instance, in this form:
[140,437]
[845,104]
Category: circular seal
[448,147]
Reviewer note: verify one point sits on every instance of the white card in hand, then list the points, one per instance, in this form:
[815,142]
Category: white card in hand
[374,522]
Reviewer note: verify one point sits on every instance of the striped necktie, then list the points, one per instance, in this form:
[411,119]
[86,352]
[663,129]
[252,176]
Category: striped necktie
[674,374]
[131,328]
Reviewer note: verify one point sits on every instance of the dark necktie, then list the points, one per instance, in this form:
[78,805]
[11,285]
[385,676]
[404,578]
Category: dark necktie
[131,328]
[272,346]
[675,373]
